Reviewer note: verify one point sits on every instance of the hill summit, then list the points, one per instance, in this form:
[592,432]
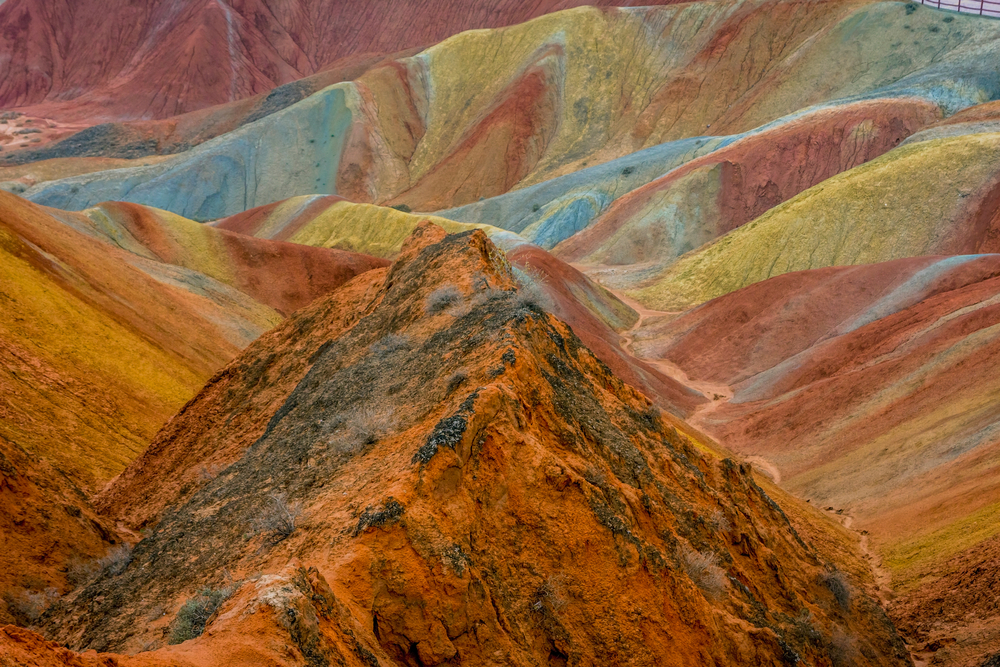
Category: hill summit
[426,468]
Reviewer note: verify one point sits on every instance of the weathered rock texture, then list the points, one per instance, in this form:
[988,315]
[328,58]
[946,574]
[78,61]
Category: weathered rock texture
[595,314]
[156,59]
[870,390]
[571,90]
[475,486]
[112,319]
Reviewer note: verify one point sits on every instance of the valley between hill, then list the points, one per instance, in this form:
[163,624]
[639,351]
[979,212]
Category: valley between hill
[430,333]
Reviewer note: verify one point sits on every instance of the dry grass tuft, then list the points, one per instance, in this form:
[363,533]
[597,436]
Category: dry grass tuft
[703,569]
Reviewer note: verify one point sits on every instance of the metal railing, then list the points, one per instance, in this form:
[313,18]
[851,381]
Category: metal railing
[980,7]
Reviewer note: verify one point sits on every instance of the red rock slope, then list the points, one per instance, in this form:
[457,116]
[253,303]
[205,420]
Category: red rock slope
[112,319]
[713,195]
[118,59]
[475,487]
[872,390]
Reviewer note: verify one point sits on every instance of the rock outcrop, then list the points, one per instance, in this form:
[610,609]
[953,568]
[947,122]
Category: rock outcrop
[112,319]
[467,483]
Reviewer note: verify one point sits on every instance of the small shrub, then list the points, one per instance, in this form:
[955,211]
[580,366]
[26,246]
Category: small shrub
[628,171]
[28,606]
[375,517]
[704,570]
[837,583]
[366,425]
[276,519]
[456,380]
[115,561]
[531,297]
[549,596]
[196,612]
[442,299]
[841,649]
[719,522]
[80,571]
[403,207]
[535,208]
[490,297]
[390,343]
[910,8]
[530,293]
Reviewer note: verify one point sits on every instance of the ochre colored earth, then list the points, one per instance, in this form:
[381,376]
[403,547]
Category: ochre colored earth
[113,319]
[339,333]
[527,506]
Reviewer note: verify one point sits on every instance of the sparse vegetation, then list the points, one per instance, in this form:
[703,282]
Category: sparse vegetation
[842,649]
[196,612]
[837,583]
[442,299]
[79,571]
[366,425]
[403,207]
[361,427]
[276,519]
[719,522]
[487,295]
[628,171]
[530,293]
[390,512]
[549,596]
[703,569]
[535,208]
[456,380]
[28,606]
[115,561]
[389,344]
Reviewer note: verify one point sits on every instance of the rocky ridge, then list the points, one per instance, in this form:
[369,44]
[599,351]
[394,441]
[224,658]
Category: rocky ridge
[472,484]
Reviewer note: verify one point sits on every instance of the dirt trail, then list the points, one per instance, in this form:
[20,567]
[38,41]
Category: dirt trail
[718,395]
[883,578]
[881,575]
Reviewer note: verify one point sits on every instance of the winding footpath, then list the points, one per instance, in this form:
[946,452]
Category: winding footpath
[720,394]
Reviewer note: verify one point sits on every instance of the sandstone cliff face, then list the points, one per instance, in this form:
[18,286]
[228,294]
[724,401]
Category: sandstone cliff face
[474,486]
